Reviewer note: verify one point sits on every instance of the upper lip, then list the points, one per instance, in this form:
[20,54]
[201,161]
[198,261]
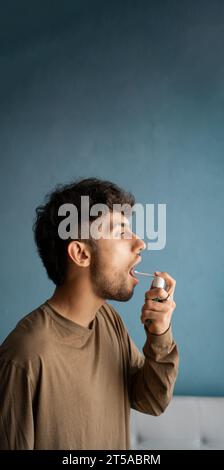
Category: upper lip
[136,262]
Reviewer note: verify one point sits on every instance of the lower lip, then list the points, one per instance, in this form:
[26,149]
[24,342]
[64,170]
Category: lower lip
[134,278]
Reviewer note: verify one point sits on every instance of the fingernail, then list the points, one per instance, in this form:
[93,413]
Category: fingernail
[157,272]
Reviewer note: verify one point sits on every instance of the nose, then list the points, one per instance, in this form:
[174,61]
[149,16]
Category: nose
[139,243]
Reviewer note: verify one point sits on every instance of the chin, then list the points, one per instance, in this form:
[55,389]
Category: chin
[125,299]
[119,291]
[122,296]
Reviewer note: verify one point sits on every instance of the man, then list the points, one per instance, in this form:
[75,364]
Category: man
[69,372]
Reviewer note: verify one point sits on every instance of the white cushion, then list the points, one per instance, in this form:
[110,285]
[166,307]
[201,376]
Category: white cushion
[187,423]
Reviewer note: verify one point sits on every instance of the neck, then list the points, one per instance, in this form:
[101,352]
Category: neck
[76,301]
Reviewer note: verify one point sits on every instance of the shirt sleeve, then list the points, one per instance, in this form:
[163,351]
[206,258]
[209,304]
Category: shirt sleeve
[152,375]
[16,417]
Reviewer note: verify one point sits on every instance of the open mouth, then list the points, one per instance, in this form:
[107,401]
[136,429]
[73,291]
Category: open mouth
[131,272]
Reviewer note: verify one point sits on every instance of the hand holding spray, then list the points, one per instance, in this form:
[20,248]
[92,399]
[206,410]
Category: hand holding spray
[158,282]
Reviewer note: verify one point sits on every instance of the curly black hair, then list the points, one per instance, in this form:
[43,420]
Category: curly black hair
[53,249]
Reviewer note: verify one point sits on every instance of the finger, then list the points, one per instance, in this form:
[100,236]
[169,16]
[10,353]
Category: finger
[156,293]
[157,306]
[151,315]
[170,281]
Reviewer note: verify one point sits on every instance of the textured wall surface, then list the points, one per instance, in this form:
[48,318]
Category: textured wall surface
[132,91]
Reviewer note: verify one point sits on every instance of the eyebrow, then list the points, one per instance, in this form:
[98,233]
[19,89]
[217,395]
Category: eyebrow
[117,224]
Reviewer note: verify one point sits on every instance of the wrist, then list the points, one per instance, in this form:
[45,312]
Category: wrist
[158,329]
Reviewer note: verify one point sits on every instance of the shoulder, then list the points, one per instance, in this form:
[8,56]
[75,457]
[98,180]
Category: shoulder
[27,340]
[112,318]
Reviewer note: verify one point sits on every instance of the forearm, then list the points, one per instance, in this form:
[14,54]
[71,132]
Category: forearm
[152,385]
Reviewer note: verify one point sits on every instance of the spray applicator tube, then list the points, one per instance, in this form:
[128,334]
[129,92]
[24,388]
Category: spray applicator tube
[157,281]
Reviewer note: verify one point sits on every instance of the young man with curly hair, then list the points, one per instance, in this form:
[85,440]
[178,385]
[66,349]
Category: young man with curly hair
[69,371]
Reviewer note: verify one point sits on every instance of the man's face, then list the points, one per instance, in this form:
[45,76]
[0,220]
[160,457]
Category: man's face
[113,259]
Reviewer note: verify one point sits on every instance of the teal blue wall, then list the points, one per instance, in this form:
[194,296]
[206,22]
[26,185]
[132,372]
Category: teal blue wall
[132,91]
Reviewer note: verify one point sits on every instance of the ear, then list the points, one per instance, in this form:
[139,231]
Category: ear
[79,253]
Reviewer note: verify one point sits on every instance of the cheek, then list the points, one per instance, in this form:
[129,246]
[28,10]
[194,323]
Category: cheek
[123,255]
[114,254]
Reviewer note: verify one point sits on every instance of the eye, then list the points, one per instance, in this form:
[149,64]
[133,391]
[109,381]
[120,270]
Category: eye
[123,233]
[126,233]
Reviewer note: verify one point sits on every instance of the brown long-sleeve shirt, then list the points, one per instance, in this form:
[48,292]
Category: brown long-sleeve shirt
[64,386]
